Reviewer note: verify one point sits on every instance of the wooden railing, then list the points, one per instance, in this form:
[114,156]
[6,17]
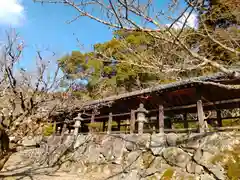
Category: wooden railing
[126,130]
[184,130]
[156,126]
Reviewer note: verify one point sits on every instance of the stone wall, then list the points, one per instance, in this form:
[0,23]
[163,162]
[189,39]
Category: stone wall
[135,157]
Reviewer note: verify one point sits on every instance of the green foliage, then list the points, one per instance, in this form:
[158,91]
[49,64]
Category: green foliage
[119,65]
[230,122]
[107,67]
[49,129]
[81,95]
[221,19]
[167,81]
[99,124]
[221,13]
[179,125]
[95,125]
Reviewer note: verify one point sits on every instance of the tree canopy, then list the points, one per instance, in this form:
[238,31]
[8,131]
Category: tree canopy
[139,56]
[219,22]
[108,68]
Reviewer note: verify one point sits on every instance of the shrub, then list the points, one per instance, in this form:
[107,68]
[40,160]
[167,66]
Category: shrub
[49,129]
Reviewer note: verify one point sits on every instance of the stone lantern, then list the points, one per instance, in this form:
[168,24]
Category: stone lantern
[77,124]
[141,117]
[58,131]
[65,130]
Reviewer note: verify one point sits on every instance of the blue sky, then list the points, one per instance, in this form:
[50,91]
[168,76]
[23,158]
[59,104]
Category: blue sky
[44,26]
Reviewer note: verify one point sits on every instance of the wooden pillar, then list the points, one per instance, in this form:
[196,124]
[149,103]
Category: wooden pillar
[168,122]
[119,125]
[161,119]
[109,124]
[185,123]
[92,117]
[91,129]
[200,116]
[154,129]
[200,111]
[219,118]
[132,122]
[58,130]
[77,124]
[55,129]
[64,129]
[104,124]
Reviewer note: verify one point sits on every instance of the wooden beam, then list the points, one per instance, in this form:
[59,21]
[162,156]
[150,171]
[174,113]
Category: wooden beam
[92,120]
[64,129]
[168,123]
[230,128]
[132,122]
[92,117]
[161,119]
[119,124]
[56,127]
[204,104]
[219,118]
[177,108]
[235,117]
[109,123]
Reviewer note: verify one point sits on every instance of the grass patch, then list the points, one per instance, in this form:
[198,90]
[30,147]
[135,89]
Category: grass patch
[230,122]
[99,125]
[181,125]
[153,177]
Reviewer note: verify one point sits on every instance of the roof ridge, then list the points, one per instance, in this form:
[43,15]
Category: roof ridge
[158,87]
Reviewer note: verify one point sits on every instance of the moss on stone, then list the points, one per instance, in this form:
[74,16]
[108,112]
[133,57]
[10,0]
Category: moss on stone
[168,174]
[153,177]
[147,159]
[230,159]
[190,178]
[230,122]
[10,178]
